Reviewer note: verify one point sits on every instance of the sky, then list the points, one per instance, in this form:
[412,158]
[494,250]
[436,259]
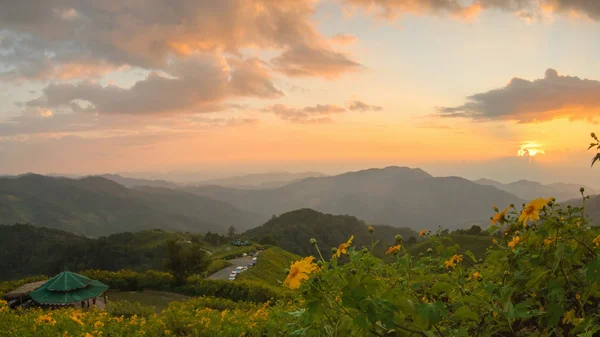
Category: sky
[501,89]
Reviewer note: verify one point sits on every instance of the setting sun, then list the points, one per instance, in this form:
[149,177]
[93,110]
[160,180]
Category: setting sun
[531,149]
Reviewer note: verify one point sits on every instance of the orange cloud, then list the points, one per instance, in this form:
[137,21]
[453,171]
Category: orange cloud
[307,115]
[344,39]
[199,83]
[147,33]
[551,97]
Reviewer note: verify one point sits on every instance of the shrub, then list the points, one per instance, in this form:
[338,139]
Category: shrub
[131,280]
[216,265]
[8,286]
[128,309]
[235,291]
[270,267]
[542,278]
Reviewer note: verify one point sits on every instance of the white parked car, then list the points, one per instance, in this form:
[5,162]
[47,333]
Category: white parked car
[232,275]
[238,269]
[254,259]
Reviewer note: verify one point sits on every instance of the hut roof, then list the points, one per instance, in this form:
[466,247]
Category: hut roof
[23,290]
[66,288]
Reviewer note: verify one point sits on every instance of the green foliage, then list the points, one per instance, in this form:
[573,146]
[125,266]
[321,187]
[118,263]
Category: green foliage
[232,253]
[27,250]
[131,280]
[292,231]
[185,259]
[476,244]
[159,300]
[220,304]
[216,265]
[8,286]
[251,291]
[542,278]
[270,267]
[128,309]
[215,239]
[248,291]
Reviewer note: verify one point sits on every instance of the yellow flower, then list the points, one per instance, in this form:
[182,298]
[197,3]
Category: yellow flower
[423,232]
[549,241]
[299,272]
[45,319]
[596,241]
[494,241]
[343,248]
[98,324]
[453,261]
[500,217]
[393,249]
[87,334]
[531,212]
[578,297]
[515,240]
[477,275]
[76,317]
[371,229]
[569,317]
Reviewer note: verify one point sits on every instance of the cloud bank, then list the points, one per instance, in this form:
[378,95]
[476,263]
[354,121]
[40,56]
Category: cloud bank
[77,38]
[467,9]
[553,96]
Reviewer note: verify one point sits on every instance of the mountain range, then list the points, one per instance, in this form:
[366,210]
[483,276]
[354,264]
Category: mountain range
[528,190]
[97,206]
[395,196]
[261,180]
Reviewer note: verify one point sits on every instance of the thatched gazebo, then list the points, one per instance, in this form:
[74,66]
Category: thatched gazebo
[68,288]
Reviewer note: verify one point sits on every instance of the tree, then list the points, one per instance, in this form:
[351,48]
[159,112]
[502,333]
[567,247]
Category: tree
[268,240]
[474,230]
[185,259]
[231,232]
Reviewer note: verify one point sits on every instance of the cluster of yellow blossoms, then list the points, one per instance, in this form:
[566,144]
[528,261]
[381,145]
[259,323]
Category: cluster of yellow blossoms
[453,261]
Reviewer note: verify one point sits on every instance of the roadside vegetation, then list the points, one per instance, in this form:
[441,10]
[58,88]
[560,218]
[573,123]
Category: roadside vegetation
[269,267]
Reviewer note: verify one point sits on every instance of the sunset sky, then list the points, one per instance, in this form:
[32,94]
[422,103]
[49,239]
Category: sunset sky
[244,86]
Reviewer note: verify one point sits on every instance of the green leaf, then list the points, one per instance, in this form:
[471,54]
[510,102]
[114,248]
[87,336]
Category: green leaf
[442,287]
[555,312]
[361,322]
[471,255]
[592,271]
[465,314]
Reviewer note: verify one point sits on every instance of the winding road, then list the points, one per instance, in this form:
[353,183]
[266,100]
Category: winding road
[223,274]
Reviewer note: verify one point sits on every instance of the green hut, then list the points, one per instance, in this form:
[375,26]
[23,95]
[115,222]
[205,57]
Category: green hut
[68,288]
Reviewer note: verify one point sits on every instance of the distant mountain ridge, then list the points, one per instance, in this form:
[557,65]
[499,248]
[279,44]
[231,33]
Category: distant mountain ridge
[396,196]
[260,180]
[97,206]
[527,189]
[132,182]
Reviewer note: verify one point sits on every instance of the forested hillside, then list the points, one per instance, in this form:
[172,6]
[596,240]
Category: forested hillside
[292,231]
[27,250]
[96,206]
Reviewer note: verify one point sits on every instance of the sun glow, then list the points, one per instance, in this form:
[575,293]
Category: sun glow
[530,149]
